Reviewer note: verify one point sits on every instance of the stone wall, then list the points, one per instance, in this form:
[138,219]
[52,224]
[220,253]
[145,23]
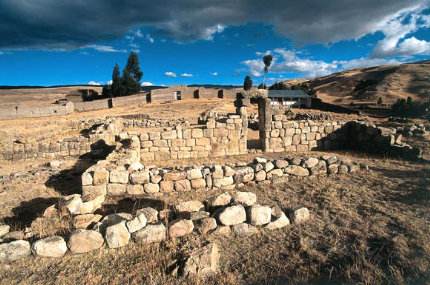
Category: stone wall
[76,146]
[23,111]
[92,105]
[216,138]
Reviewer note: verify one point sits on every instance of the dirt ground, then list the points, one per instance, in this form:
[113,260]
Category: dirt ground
[367,227]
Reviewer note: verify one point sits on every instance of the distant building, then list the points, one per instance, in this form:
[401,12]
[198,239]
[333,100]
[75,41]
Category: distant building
[183,92]
[291,98]
[81,95]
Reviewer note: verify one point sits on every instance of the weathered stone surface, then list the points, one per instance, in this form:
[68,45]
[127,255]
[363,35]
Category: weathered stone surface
[151,188]
[140,177]
[180,227]
[296,170]
[81,241]
[190,206]
[182,185]
[310,162]
[231,215]
[14,250]
[333,168]
[268,166]
[259,215]
[150,213]
[166,186]
[86,220]
[205,225]
[244,229]
[260,160]
[260,175]
[14,235]
[135,189]
[275,173]
[150,234]
[219,201]
[300,215]
[343,169]
[203,262]
[136,166]
[198,183]
[228,171]
[193,215]
[86,179]
[222,231]
[116,189]
[117,235]
[175,175]
[72,203]
[100,177]
[245,198]
[217,172]
[320,168]
[92,204]
[279,219]
[194,174]
[136,223]
[119,176]
[243,174]
[4,229]
[49,247]
[280,163]
[223,182]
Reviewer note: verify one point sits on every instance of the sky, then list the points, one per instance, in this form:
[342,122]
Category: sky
[51,42]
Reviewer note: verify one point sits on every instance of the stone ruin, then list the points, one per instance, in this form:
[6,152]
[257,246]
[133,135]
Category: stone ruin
[129,171]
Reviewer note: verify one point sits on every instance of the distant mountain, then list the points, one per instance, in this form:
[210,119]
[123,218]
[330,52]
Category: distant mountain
[390,82]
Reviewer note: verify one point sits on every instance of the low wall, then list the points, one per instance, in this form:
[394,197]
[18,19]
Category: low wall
[75,146]
[216,138]
[92,105]
[23,111]
[128,100]
[320,105]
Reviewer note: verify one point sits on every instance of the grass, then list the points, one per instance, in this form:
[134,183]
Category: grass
[367,228]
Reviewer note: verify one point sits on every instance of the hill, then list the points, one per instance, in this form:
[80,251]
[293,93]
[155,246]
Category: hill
[390,82]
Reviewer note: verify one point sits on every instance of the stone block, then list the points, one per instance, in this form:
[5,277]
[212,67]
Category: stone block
[116,189]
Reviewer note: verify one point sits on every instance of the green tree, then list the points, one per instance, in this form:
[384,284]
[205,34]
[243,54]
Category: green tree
[128,84]
[115,87]
[247,84]
[106,91]
[267,59]
[134,69]
[379,101]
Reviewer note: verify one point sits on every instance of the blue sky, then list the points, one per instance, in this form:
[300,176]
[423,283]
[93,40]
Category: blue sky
[202,43]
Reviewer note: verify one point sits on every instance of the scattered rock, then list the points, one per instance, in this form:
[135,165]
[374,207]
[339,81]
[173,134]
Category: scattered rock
[150,213]
[205,225]
[190,206]
[150,234]
[117,235]
[231,215]
[244,229]
[296,170]
[203,262]
[4,229]
[300,215]
[259,215]
[137,223]
[82,241]
[245,198]
[84,221]
[180,227]
[14,250]
[49,247]
[220,200]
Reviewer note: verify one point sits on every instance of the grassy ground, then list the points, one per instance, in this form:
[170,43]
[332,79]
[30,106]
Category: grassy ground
[369,228]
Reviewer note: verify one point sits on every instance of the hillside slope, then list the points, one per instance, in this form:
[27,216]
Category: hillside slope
[368,84]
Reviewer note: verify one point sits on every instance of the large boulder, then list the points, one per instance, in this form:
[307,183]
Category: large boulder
[137,223]
[117,235]
[49,247]
[231,215]
[245,198]
[296,170]
[259,215]
[203,262]
[180,227]
[150,234]
[14,250]
[81,241]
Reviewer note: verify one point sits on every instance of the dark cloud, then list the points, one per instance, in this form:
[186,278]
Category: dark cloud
[53,24]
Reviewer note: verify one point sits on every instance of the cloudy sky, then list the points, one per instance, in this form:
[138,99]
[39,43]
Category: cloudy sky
[51,42]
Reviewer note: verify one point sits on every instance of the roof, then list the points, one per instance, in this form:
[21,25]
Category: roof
[287,94]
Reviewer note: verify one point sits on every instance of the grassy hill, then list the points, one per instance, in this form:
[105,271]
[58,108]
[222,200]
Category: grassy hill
[368,84]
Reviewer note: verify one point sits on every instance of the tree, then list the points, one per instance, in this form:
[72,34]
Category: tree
[262,86]
[115,87]
[247,84]
[267,59]
[106,91]
[379,101]
[134,69]
[128,84]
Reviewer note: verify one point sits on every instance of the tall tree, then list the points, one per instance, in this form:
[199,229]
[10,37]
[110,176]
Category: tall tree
[128,84]
[247,84]
[134,69]
[267,59]
[115,88]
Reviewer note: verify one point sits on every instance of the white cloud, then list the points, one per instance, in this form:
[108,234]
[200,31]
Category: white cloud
[102,48]
[396,29]
[146,84]
[170,74]
[163,85]
[150,39]
[109,82]
[93,83]
[214,73]
[138,33]
[186,75]
[365,62]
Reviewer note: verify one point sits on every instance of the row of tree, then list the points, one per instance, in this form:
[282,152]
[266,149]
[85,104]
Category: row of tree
[128,83]
[408,108]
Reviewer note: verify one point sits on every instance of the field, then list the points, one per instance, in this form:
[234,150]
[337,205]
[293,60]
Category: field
[368,228]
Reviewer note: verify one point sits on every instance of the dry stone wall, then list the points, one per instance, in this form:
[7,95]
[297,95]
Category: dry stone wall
[23,111]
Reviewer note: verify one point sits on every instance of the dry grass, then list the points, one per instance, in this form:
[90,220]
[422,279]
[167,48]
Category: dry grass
[369,228]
